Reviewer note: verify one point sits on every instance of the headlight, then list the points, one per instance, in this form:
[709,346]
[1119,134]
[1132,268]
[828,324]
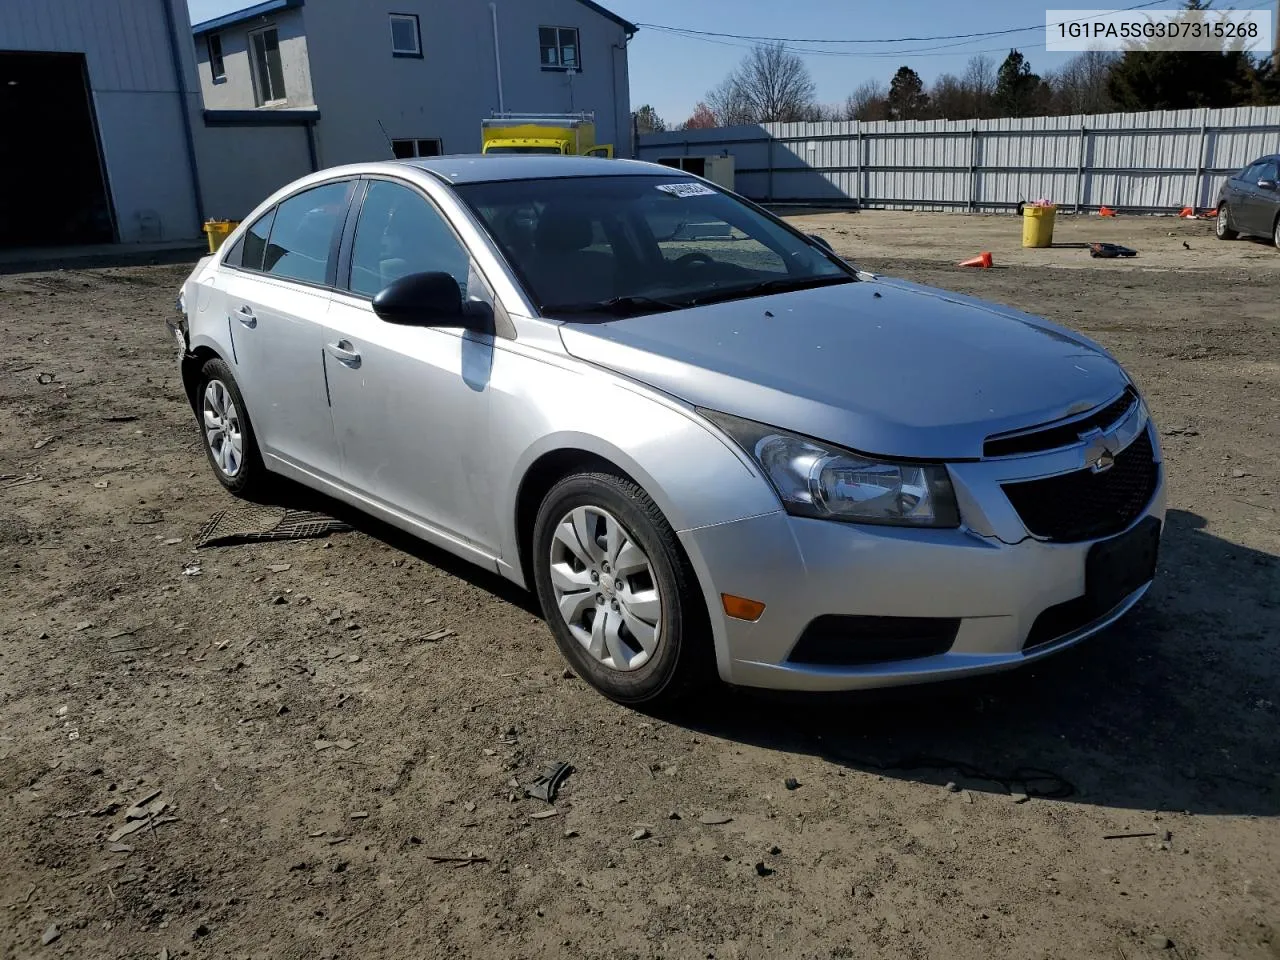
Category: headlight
[815,479]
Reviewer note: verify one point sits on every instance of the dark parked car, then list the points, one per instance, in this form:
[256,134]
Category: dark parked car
[1250,202]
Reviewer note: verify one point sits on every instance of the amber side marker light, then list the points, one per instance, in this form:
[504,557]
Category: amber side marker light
[740,608]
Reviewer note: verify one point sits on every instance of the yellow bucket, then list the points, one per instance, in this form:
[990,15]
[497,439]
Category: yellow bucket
[218,231]
[1037,226]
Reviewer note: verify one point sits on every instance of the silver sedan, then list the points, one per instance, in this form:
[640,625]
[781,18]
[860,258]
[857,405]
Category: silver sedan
[709,444]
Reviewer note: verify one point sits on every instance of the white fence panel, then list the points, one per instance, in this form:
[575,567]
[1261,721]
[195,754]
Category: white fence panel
[1157,162]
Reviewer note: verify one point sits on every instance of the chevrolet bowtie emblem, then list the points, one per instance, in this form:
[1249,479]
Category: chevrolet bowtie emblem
[1100,450]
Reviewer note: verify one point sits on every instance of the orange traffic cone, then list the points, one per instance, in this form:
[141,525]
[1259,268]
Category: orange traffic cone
[1187,213]
[1106,212]
[1210,214]
[982,260]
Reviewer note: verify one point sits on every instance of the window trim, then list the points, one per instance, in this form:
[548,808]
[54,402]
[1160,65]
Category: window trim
[558,66]
[417,36]
[255,71]
[219,74]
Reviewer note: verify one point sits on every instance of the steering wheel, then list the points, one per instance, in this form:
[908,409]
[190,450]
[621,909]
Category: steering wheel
[697,257]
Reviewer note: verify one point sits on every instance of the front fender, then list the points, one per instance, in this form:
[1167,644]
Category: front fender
[696,476]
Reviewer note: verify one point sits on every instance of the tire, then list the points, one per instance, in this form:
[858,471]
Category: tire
[576,587]
[1275,233]
[1222,225]
[223,418]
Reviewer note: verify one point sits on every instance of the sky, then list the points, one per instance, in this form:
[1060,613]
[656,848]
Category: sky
[674,72]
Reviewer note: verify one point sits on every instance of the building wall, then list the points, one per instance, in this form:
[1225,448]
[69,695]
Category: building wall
[236,92]
[362,90]
[135,95]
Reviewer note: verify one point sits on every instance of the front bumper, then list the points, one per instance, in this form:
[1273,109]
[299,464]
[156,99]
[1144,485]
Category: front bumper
[989,574]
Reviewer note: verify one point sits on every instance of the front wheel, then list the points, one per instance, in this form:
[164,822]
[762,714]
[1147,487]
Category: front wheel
[617,590]
[1275,233]
[1222,225]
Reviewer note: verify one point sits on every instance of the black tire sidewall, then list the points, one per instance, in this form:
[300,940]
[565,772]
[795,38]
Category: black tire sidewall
[252,470]
[643,522]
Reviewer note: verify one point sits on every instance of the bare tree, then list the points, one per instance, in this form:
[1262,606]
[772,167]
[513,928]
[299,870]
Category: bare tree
[979,82]
[770,84]
[1081,85]
[950,99]
[870,101]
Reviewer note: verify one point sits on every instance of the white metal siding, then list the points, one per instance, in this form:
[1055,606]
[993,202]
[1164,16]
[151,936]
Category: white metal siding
[135,97]
[1158,160]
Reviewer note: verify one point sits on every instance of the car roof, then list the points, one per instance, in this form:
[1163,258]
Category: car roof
[482,168]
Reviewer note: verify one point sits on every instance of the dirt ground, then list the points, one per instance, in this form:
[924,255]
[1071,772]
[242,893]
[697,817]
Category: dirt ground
[315,752]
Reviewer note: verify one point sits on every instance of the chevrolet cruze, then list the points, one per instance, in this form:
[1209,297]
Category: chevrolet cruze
[707,443]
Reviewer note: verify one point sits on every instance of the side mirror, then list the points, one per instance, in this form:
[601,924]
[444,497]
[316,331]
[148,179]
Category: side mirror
[1267,184]
[822,242]
[430,300]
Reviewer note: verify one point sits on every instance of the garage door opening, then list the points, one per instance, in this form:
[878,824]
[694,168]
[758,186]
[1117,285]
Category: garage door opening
[55,193]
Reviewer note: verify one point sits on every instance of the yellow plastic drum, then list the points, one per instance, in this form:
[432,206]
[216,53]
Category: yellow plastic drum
[1037,226]
[218,231]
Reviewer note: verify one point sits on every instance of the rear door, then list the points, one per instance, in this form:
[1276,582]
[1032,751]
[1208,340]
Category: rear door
[410,403]
[1245,213]
[276,300]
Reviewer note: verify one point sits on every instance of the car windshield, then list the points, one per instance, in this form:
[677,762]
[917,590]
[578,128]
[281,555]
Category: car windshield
[591,247]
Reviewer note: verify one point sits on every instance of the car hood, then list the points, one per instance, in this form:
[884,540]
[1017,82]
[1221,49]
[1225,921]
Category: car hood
[880,366]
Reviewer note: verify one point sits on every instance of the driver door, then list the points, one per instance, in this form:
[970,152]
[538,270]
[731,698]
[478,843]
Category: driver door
[410,404]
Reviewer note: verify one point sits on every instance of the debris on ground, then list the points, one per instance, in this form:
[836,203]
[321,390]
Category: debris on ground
[437,635]
[791,783]
[641,834]
[548,782]
[1108,251]
[1160,942]
[714,818]
[545,814]
[763,870]
[50,934]
[462,861]
[1126,836]
[253,523]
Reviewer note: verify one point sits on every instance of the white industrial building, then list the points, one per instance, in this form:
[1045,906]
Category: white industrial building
[105,135]
[99,109]
[415,77]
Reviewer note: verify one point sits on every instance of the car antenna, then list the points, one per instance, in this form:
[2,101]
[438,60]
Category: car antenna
[390,146]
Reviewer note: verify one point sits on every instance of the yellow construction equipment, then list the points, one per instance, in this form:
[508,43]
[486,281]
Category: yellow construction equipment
[568,134]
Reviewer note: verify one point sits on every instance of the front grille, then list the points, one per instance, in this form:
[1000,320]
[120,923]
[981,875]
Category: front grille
[832,640]
[1084,505]
[1037,440]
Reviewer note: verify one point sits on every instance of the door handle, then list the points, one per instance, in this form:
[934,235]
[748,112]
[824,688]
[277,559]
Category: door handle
[246,316]
[344,353]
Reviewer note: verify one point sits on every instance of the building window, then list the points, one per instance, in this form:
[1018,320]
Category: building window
[268,73]
[559,46]
[406,38]
[217,66]
[408,149]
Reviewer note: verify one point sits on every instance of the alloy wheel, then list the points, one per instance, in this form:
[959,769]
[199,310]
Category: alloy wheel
[1221,225]
[222,429]
[605,588]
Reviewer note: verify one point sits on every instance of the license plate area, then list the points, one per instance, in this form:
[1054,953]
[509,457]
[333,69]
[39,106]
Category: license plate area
[1115,568]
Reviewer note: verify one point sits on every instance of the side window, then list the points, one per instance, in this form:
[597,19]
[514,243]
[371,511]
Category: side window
[1253,172]
[250,248]
[399,233]
[302,234]
[1268,171]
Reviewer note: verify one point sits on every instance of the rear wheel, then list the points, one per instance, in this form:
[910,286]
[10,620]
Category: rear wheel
[617,590]
[1222,225]
[229,442]
[1275,233]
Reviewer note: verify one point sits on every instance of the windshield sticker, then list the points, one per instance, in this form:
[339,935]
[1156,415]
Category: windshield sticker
[686,189]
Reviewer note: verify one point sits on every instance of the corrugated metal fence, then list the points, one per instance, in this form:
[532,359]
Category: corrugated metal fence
[1156,162]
